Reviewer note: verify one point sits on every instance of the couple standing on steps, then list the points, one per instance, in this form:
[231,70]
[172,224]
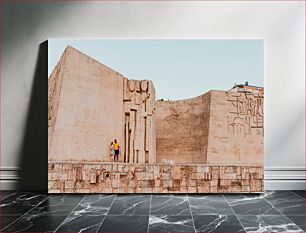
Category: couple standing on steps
[114,151]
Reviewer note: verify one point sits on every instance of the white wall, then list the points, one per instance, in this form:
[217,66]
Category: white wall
[26,25]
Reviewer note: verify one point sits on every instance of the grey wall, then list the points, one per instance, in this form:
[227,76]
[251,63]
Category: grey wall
[24,70]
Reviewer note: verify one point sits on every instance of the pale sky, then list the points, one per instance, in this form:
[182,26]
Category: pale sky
[179,69]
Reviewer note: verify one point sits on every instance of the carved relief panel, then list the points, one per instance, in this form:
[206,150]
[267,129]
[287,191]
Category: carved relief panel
[139,131]
[246,112]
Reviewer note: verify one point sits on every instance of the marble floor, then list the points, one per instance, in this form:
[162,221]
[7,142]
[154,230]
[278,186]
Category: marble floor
[272,211]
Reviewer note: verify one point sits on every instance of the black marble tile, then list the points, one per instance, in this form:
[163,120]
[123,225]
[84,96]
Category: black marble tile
[20,196]
[169,213]
[217,223]
[250,204]
[166,223]
[126,223]
[65,199]
[130,204]
[286,202]
[235,196]
[5,194]
[170,205]
[299,220]
[301,193]
[58,205]
[35,223]
[209,205]
[7,220]
[266,223]
[21,202]
[47,216]
[81,222]
[96,204]
[55,210]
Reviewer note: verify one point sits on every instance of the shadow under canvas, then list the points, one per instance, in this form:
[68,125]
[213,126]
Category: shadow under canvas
[34,152]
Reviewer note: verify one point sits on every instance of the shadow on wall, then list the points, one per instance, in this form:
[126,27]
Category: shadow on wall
[34,152]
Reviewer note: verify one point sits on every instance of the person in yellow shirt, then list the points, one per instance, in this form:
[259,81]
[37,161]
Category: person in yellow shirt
[116,149]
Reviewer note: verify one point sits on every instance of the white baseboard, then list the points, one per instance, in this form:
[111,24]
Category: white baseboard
[9,178]
[284,184]
[276,178]
[284,178]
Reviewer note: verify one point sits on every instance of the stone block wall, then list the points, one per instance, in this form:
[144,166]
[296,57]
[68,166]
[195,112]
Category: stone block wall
[72,177]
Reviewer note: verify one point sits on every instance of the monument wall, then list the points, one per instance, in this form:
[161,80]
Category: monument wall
[89,109]
[90,105]
[182,130]
[236,127]
[54,87]
[219,127]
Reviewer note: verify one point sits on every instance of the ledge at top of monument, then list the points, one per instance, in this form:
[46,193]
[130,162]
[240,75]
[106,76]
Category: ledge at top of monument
[238,88]
[186,99]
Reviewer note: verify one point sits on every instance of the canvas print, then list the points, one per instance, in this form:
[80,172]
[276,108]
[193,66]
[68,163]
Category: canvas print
[155,116]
